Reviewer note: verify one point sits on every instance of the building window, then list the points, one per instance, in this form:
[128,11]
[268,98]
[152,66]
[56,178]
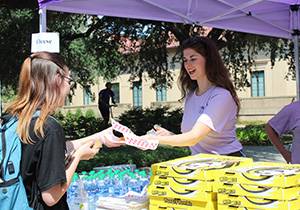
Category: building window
[161,93]
[87,95]
[137,94]
[116,89]
[258,83]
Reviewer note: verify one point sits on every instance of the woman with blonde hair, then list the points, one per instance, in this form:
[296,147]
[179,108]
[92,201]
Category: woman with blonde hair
[211,104]
[44,84]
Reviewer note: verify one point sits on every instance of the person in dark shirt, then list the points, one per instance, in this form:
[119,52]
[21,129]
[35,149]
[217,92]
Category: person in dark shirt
[104,97]
[44,84]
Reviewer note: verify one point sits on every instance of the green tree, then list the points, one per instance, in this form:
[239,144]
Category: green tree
[108,46]
[16,27]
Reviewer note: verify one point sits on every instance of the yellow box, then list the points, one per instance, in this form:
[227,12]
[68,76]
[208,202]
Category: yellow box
[181,193]
[166,207]
[184,183]
[201,167]
[250,202]
[277,193]
[175,203]
[153,207]
[263,174]
[225,207]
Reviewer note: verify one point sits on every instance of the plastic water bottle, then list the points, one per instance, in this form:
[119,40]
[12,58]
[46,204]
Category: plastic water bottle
[77,196]
[133,184]
[118,186]
[109,182]
[144,180]
[72,194]
[81,200]
[102,187]
[126,178]
[90,189]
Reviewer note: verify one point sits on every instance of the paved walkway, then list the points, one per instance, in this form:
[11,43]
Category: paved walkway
[263,153]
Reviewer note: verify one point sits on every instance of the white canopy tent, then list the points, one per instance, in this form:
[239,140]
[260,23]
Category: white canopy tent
[277,18]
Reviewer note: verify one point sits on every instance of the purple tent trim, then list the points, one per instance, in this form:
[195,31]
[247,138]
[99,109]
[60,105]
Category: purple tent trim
[43,3]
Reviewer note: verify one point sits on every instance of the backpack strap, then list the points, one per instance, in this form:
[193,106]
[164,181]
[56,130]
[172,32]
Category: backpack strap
[5,120]
[3,153]
[9,182]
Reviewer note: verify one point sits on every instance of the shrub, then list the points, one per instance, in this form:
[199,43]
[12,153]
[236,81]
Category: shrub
[131,155]
[256,135]
[252,135]
[78,125]
[140,121]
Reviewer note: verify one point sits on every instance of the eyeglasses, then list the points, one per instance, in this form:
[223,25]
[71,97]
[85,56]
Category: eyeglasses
[70,81]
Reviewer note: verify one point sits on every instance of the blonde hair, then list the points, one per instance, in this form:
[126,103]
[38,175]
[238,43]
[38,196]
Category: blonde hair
[39,88]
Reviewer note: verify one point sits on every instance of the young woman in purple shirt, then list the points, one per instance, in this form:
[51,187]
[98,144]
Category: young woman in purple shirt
[211,103]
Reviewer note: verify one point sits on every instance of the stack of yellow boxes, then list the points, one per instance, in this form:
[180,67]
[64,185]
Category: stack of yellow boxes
[187,183]
[260,186]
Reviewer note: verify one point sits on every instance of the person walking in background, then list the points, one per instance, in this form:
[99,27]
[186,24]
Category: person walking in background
[104,97]
[211,104]
[44,84]
[285,121]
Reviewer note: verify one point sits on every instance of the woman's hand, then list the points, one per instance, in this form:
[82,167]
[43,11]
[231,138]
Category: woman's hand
[87,151]
[160,131]
[109,139]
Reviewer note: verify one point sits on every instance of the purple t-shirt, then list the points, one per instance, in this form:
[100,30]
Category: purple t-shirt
[216,109]
[288,120]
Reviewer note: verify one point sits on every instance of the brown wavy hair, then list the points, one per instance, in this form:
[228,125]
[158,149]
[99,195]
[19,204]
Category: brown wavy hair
[39,88]
[215,70]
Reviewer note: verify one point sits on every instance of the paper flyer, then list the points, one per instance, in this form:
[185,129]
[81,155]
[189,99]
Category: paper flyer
[132,139]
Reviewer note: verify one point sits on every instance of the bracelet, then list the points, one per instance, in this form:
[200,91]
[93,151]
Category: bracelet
[69,157]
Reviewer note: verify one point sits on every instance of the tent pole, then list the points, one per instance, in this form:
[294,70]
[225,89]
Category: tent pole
[43,18]
[295,30]
[296,58]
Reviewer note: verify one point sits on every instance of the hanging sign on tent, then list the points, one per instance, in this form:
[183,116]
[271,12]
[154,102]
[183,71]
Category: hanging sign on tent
[45,41]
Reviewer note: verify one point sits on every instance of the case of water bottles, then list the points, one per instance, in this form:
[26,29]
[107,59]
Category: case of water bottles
[109,188]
